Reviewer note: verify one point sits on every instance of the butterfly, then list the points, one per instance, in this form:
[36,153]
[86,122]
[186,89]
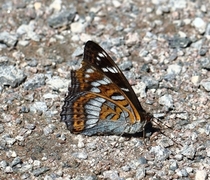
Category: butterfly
[100,100]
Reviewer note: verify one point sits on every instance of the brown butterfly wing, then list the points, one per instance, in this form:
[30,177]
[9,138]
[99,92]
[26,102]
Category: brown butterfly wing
[100,99]
[99,59]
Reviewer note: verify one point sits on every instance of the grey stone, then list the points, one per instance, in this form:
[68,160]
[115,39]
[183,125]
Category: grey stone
[173,55]
[7,5]
[62,137]
[32,62]
[10,141]
[112,175]
[205,63]
[26,167]
[38,106]
[49,129]
[142,160]
[206,84]
[80,155]
[173,166]
[78,52]
[143,53]
[3,164]
[24,109]
[189,151]
[165,142]
[16,161]
[23,43]
[8,169]
[4,60]
[22,29]
[3,144]
[179,42]
[207,33]
[189,169]
[1,128]
[25,176]
[91,145]
[125,65]
[207,129]
[184,116]
[10,75]
[40,171]
[203,51]
[150,82]
[160,153]
[184,173]
[3,46]
[178,4]
[28,29]
[132,39]
[57,83]
[30,126]
[169,77]
[37,81]
[140,173]
[174,69]
[159,115]
[140,89]
[9,39]
[166,100]
[62,18]
[126,168]
[118,41]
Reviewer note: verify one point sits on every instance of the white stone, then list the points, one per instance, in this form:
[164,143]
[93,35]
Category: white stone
[77,27]
[200,25]
[195,80]
[56,5]
[116,3]
[57,83]
[174,69]
[166,100]
[201,175]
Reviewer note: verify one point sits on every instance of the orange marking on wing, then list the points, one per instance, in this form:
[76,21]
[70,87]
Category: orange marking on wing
[108,91]
[117,115]
[106,111]
[85,81]
[79,112]
[79,125]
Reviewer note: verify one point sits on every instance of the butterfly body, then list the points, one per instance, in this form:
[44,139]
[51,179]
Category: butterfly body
[100,99]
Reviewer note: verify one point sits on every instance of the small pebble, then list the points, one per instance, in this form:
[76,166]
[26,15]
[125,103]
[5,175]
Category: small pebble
[112,175]
[80,155]
[201,175]
[166,100]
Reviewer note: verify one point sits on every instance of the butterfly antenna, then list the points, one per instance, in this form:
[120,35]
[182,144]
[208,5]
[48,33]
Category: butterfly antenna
[160,126]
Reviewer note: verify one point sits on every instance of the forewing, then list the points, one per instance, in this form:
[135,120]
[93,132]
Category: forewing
[98,58]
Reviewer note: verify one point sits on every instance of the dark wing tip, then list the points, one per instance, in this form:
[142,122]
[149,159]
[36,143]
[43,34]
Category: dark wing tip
[89,43]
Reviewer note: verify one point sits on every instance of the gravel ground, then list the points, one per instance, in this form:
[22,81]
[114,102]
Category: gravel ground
[162,46]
